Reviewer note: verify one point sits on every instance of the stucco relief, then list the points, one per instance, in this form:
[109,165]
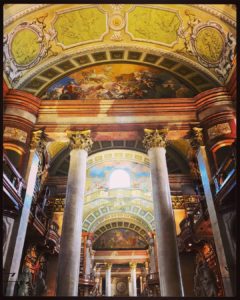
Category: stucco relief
[152,24]
[90,24]
[25,46]
[219,129]
[15,134]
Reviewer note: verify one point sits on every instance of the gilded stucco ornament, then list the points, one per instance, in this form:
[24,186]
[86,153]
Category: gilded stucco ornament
[212,47]
[155,138]
[25,46]
[80,139]
[196,137]
[39,142]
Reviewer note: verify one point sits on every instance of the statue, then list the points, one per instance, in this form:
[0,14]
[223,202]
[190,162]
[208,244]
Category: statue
[25,282]
[204,281]
[40,285]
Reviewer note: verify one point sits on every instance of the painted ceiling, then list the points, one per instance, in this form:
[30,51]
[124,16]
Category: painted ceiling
[119,81]
[43,45]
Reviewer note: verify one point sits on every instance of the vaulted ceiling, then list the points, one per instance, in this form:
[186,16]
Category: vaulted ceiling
[44,43]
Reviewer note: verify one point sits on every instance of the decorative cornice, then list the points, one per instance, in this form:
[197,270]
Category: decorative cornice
[24,13]
[216,13]
[80,139]
[155,138]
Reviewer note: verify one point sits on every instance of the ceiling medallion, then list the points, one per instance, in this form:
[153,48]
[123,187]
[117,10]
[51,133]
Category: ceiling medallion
[116,22]
[25,46]
[208,43]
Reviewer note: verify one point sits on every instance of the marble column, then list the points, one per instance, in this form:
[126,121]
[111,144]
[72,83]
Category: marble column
[133,278]
[70,244]
[87,270]
[200,151]
[36,154]
[168,257]
[129,286]
[100,285]
[141,284]
[108,280]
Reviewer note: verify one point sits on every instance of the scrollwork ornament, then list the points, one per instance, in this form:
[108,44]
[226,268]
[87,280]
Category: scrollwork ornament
[155,138]
[80,139]
[25,46]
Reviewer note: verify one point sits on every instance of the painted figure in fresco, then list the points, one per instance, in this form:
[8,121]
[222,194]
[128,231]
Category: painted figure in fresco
[103,83]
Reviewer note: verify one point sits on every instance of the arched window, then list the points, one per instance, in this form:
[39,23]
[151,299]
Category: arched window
[119,179]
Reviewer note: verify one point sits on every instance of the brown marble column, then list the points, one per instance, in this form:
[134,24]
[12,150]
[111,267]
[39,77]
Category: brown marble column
[70,244]
[168,257]
[36,153]
[198,146]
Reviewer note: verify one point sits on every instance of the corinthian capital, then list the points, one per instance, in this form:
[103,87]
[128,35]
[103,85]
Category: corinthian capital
[39,140]
[133,265]
[80,139]
[155,138]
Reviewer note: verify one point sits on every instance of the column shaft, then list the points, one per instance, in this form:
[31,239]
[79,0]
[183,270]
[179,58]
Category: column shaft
[108,282]
[70,245]
[134,280]
[168,257]
[206,178]
[22,228]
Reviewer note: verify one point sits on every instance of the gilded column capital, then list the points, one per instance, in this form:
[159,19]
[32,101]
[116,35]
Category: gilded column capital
[133,265]
[108,266]
[80,139]
[155,138]
[39,141]
[196,137]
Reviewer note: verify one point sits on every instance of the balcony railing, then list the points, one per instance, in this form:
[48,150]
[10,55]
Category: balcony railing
[225,171]
[52,237]
[14,185]
[152,278]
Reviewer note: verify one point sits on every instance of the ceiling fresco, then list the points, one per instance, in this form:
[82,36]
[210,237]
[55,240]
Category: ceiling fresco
[119,81]
[98,176]
[120,238]
[41,44]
